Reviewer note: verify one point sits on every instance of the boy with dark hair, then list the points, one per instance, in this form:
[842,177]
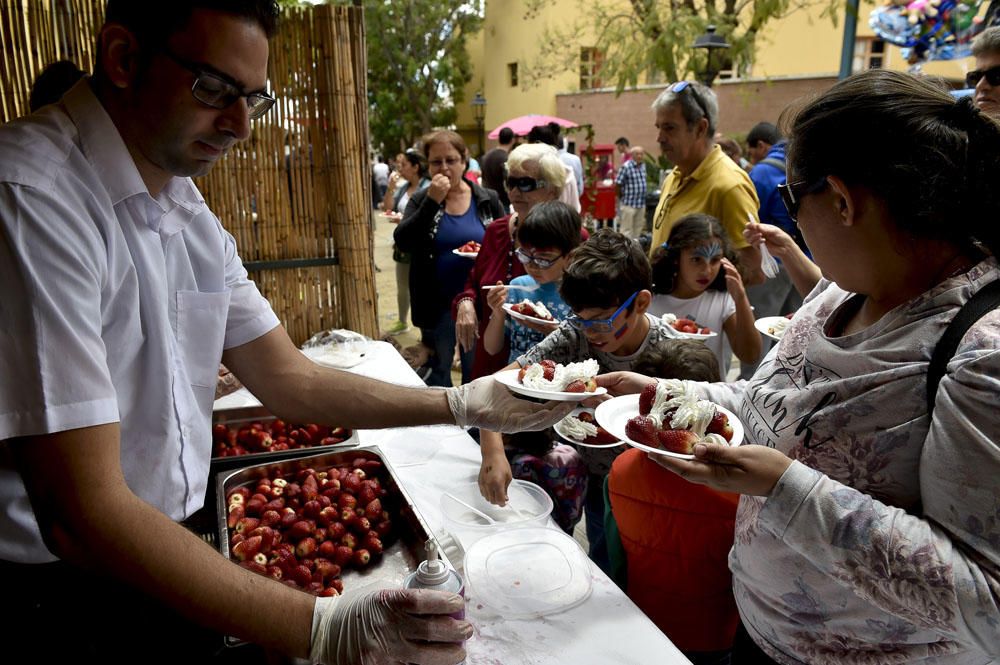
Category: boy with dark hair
[669,539]
[607,285]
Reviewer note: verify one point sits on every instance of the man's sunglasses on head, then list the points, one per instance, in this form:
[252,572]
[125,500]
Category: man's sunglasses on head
[524,184]
[992,76]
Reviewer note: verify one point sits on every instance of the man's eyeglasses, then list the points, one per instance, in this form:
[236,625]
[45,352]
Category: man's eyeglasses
[681,86]
[526,258]
[450,162]
[600,325]
[524,184]
[792,193]
[992,76]
[212,90]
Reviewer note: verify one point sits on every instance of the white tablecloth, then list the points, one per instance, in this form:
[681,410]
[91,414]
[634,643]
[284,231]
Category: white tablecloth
[606,629]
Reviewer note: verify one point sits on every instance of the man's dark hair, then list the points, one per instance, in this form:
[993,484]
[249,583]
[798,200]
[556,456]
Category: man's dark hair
[52,83]
[542,134]
[604,272]
[763,131]
[506,135]
[621,140]
[154,21]
[686,359]
[550,224]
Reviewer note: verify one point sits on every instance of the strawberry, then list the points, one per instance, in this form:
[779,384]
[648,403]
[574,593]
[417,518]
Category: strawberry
[288,518]
[327,549]
[641,429]
[347,501]
[319,534]
[576,386]
[328,592]
[351,483]
[306,548]
[311,508]
[246,549]
[301,575]
[384,528]
[591,384]
[270,518]
[247,524]
[549,369]
[677,440]
[254,507]
[330,441]
[337,585]
[349,540]
[275,504]
[328,515]
[720,425]
[327,569]
[336,531]
[373,510]
[301,529]
[236,513]
[373,544]
[274,572]
[646,399]
[602,437]
[361,558]
[521,373]
[367,493]
[343,555]
[253,566]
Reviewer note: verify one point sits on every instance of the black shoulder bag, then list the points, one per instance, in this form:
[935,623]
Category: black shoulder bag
[979,305]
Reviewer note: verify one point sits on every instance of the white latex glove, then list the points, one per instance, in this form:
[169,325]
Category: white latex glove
[488,404]
[389,626]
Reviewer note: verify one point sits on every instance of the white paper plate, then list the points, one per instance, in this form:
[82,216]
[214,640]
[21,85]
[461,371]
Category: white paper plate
[468,255]
[696,335]
[577,442]
[508,377]
[526,573]
[507,307]
[764,324]
[614,414]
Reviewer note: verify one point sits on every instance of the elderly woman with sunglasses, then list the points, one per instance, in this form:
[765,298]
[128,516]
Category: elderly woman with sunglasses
[450,212]
[869,526]
[534,173]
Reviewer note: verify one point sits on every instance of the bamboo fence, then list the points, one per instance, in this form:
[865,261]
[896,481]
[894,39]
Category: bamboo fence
[297,194]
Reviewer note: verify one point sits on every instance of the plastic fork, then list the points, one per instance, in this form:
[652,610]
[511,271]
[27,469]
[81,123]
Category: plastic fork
[511,286]
[767,263]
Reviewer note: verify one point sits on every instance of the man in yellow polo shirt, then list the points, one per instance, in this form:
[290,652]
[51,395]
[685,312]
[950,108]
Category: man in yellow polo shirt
[704,179]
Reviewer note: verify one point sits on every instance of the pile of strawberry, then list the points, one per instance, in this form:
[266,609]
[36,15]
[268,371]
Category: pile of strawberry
[527,308]
[273,436]
[689,326]
[305,530]
[549,373]
[643,429]
[602,437]
[471,247]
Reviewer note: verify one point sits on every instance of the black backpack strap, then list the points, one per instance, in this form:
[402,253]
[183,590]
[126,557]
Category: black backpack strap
[983,302]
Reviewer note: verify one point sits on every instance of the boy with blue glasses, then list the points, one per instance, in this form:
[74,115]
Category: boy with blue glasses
[607,285]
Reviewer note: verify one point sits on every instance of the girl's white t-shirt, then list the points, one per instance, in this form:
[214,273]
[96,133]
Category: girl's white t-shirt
[710,309]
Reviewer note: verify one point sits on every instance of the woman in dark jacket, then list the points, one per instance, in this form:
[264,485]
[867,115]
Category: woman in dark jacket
[439,219]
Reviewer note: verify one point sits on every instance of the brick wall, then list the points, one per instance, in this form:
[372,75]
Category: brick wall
[742,104]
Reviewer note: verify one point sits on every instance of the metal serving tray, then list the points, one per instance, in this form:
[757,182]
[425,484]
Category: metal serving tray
[259,414]
[397,561]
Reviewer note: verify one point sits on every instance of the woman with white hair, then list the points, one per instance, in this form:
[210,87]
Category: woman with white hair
[534,173]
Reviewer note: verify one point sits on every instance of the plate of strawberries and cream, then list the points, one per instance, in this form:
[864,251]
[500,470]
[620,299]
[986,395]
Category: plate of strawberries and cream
[582,429]
[668,419]
[532,312]
[687,327]
[549,380]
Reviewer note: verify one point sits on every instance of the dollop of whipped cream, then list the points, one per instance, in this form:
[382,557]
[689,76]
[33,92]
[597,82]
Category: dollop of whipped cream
[574,428]
[691,412]
[778,327]
[564,375]
[669,319]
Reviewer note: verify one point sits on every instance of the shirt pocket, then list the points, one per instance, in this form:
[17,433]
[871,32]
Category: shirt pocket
[201,331]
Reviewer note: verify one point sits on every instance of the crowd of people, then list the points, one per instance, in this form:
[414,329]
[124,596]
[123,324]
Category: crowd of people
[858,523]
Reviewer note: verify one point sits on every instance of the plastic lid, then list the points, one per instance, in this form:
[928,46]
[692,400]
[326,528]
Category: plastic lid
[527,572]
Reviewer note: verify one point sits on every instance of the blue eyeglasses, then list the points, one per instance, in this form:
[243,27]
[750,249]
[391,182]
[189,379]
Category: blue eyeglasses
[600,325]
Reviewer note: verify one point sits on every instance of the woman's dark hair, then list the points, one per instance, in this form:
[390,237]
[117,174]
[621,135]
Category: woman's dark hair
[550,224]
[604,272]
[417,160]
[934,161]
[691,231]
[53,82]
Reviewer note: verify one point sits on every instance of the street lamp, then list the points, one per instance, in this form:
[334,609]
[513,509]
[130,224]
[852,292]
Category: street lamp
[710,42]
[479,112]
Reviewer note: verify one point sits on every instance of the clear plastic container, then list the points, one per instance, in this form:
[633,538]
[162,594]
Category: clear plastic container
[528,506]
[337,348]
[525,573]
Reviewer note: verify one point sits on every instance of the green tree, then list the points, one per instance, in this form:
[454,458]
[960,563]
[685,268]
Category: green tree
[642,40]
[418,64]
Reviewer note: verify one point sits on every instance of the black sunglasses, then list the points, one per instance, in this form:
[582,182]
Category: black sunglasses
[992,76]
[792,193]
[524,184]
[681,86]
[212,90]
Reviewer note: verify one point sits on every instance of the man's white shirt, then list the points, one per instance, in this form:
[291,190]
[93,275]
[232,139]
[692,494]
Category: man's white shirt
[116,307]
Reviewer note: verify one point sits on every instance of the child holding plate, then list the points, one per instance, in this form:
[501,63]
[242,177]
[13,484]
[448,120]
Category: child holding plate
[698,280]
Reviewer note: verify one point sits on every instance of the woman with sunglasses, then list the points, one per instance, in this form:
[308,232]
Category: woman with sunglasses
[534,174]
[869,527]
[450,212]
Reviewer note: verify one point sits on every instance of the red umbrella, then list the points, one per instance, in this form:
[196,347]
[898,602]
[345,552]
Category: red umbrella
[521,125]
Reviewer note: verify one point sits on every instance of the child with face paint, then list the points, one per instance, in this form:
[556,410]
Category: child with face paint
[607,285]
[697,279]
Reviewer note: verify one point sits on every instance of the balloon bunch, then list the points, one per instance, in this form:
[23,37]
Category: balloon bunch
[929,29]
